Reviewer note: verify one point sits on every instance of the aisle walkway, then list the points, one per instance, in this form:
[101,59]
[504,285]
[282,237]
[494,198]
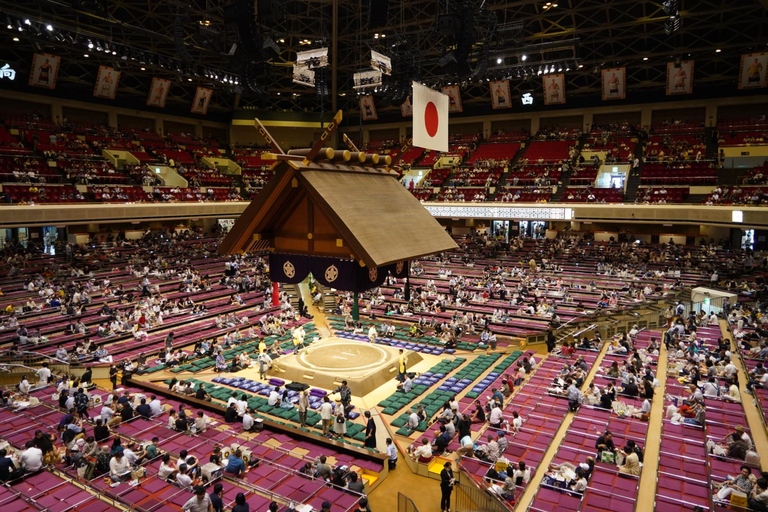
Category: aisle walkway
[646,493]
[532,488]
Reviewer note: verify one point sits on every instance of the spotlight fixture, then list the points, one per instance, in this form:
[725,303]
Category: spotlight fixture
[672,24]
[86,55]
[143,69]
[524,58]
[27,22]
[539,70]
[90,45]
[15,39]
[499,60]
[49,28]
[645,58]
[718,50]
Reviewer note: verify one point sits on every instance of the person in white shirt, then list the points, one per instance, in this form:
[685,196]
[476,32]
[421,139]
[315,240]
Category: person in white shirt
[119,469]
[423,452]
[274,397]
[407,384]
[413,420]
[166,469]
[155,406]
[31,458]
[391,453]
[24,386]
[183,479]
[326,414]
[44,375]
[241,405]
[130,455]
[106,413]
[496,417]
[247,420]
[517,421]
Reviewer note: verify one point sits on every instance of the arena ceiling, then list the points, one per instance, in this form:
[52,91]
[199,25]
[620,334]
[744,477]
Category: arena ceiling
[191,42]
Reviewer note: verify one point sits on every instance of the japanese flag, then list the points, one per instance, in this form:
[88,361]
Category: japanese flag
[430,118]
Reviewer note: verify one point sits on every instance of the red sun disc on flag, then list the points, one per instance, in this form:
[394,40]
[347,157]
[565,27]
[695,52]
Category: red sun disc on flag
[431,119]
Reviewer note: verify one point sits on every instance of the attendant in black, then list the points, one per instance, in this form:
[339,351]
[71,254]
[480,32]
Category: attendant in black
[605,442]
[100,431]
[215,497]
[144,410]
[126,413]
[230,415]
[446,487]
[370,431]
[113,376]
[8,470]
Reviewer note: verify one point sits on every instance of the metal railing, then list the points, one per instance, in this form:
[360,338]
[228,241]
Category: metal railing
[405,504]
[470,498]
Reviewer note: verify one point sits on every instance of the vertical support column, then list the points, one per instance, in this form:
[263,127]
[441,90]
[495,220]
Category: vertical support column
[403,134]
[112,119]
[159,126]
[711,116]
[355,307]
[57,112]
[589,117]
[535,123]
[334,69]
[487,128]
[275,294]
[646,117]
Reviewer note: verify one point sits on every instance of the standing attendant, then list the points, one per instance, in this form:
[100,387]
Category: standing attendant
[401,367]
[370,431]
[446,487]
[113,376]
[303,406]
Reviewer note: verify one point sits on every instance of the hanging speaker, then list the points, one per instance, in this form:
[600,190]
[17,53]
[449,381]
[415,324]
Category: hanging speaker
[378,13]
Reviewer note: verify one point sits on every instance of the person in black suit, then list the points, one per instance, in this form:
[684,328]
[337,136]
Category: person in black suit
[446,486]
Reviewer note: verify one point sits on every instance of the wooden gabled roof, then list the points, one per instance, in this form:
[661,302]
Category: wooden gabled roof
[338,205]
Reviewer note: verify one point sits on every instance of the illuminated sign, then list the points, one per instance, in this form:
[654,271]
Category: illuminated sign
[501,212]
[8,72]
[527,99]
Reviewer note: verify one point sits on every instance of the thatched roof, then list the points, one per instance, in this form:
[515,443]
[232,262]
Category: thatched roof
[340,209]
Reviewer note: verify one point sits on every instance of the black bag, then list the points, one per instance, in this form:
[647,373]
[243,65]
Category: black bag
[340,419]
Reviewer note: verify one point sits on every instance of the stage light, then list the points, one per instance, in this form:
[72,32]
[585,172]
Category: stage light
[718,50]
[90,44]
[27,22]
[499,60]
[143,69]
[560,68]
[524,58]
[49,28]
[189,79]
[539,70]
[15,39]
[10,27]
[86,55]
[114,52]
[645,58]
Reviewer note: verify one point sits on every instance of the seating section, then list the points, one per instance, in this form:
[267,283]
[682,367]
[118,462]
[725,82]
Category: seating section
[592,195]
[493,153]
[679,173]
[662,195]
[529,195]
[549,151]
